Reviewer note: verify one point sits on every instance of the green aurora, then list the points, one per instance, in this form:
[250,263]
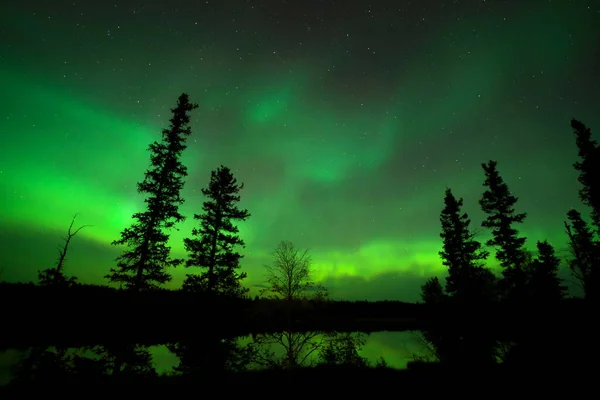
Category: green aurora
[344,138]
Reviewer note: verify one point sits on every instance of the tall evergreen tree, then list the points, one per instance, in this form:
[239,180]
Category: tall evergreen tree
[498,203]
[211,356]
[468,279]
[432,292]
[125,360]
[143,265]
[546,286]
[585,264]
[436,339]
[589,169]
[212,245]
[42,365]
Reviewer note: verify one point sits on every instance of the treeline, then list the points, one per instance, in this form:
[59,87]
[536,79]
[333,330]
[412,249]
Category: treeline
[475,318]
[95,314]
[527,277]
[100,314]
[529,285]
[94,297]
[213,245]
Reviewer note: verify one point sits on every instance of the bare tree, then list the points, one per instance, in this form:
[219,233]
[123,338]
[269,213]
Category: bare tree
[289,276]
[56,275]
[289,279]
[295,349]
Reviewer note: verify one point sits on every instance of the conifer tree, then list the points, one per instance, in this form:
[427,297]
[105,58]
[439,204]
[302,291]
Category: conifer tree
[435,340]
[585,264]
[213,242]
[432,292]
[589,170]
[143,265]
[126,360]
[468,280]
[211,356]
[498,203]
[42,365]
[546,286]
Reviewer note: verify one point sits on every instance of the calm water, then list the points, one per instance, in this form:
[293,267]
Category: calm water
[395,347]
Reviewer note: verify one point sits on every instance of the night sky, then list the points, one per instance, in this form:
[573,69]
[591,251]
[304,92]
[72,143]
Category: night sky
[345,120]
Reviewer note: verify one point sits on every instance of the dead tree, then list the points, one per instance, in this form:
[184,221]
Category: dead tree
[55,275]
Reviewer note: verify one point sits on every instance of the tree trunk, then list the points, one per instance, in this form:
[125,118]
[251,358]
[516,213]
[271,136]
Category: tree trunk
[213,250]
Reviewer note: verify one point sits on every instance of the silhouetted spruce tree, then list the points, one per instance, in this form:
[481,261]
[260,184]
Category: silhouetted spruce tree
[468,280]
[42,365]
[585,264]
[432,292]
[469,284]
[545,285]
[435,339]
[143,265]
[498,203]
[210,355]
[87,368]
[212,245]
[126,360]
[589,169]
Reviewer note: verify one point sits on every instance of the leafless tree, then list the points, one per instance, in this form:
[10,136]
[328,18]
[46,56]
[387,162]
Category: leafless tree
[289,276]
[289,279]
[65,247]
[54,275]
[295,349]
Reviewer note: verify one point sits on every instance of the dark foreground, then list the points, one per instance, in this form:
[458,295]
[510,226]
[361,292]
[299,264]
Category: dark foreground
[358,382]
[94,315]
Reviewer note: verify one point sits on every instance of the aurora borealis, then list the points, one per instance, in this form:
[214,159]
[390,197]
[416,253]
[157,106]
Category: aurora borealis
[345,121]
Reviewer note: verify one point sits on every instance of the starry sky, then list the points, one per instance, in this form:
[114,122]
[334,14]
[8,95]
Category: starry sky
[345,120]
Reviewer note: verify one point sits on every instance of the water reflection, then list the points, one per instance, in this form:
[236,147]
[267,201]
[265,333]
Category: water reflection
[396,348]
[8,359]
[282,350]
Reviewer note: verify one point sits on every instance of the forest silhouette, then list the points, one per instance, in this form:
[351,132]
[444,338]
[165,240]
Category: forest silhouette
[475,323]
